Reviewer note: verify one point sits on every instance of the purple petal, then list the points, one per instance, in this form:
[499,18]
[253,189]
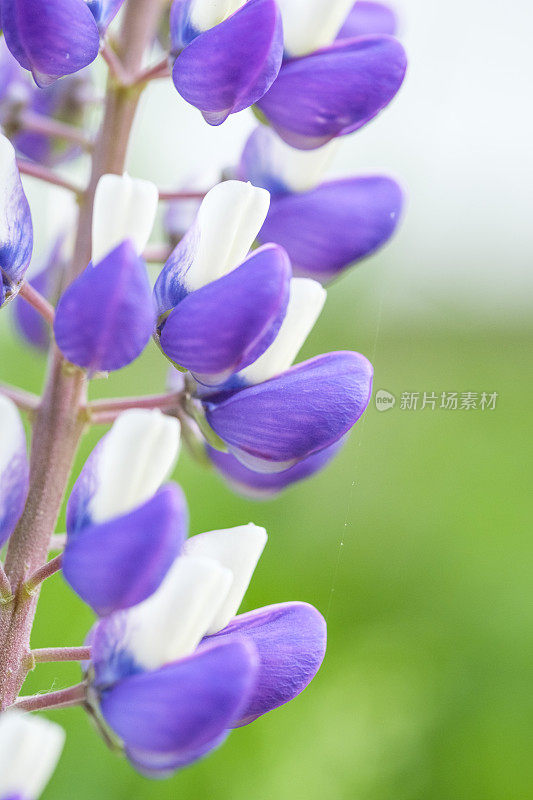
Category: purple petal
[335,225]
[292,416]
[261,485]
[180,709]
[229,67]
[14,468]
[16,229]
[290,639]
[367,18]
[50,39]
[155,765]
[105,318]
[119,563]
[334,91]
[228,324]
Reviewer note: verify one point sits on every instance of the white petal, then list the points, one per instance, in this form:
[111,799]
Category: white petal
[134,458]
[172,622]
[306,301]
[12,437]
[296,170]
[29,751]
[238,549]
[229,219]
[206,14]
[124,208]
[311,24]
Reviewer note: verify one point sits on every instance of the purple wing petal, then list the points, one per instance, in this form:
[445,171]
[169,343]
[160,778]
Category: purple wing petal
[331,227]
[261,485]
[367,18]
[30,323]
[155,765]
[14,468]
[290,639]
[119,563]
[50,39]
[16,229]
[334,91]
[105,318]
[229,67]
[273,424]
[180,709]
[227,324]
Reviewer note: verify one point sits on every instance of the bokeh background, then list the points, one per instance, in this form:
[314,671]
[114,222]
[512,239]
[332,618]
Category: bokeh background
[415,543]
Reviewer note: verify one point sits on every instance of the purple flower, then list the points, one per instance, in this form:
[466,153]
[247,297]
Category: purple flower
[171,685]
[124,532]
[105,317]
[16,230]
[14,468]
[50,39]
[334,91]
[271,415]
[225,61]
[369,17]
[324,227]
[217,315]
[30,748]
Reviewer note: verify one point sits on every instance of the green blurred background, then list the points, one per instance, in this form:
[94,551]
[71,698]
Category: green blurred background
[415,543]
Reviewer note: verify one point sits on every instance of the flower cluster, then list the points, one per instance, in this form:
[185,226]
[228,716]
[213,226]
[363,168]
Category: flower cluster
[170,667]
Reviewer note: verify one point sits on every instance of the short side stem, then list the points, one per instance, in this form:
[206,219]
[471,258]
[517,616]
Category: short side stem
[44,655]
[64,698]
[39,303]
[44,572]
[26,401]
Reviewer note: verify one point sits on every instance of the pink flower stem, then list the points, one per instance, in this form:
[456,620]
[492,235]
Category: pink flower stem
[44,572]
[39,303]
[178,195]
[165,402]
[44,655]
[64,698]
[115,65]
[38,123]
[159,70]
[26,401]
[45,174]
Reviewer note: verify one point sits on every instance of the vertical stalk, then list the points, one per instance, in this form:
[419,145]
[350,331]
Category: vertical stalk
[59,421]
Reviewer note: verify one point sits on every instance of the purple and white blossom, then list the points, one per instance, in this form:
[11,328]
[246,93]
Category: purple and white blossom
[30,748]
[124,531]
[228,53]
[227,309]
[171,686]
[16,229]
[325,227]
[14,468]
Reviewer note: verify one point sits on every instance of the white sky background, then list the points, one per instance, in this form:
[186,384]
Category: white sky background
[459,137]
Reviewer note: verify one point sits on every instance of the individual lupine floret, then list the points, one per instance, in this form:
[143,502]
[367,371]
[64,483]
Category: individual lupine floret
[14,468]
[30,748]
[329,88]
[271,415]
[16,229]
[123,530]
[324,227]
[173,675]
[105,318]
[228,53]
[55,38]
[218,310]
